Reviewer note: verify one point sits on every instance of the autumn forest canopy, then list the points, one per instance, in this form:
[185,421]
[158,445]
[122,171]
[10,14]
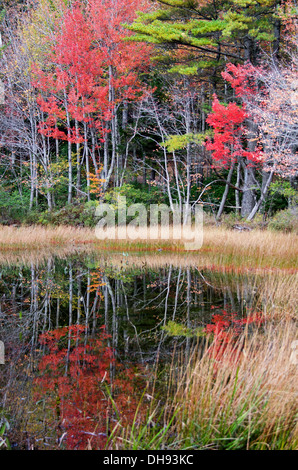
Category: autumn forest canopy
[164,102]
[151,333]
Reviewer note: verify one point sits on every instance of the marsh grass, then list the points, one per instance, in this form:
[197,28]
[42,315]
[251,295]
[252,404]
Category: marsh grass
[247,400]
[37,236]
[240,396]
[277,298]
[221,247]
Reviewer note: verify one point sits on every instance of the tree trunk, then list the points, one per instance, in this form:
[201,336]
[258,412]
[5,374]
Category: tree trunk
[263,194]
[225,194]
[32,178]
[86,152]
[78,188]
[248,199]
[237,195]
[69,197]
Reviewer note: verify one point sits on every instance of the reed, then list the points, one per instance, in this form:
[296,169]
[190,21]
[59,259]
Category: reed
[239,396]
[221,247]
[36,236]
[246,400]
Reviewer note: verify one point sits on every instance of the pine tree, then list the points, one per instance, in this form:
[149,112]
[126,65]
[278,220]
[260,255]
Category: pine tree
[205,34]
[200,37]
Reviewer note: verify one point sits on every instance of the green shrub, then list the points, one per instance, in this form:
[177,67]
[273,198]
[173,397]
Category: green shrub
[286,220]
[87,217]
[77,214]
[136,194]
[14,206]
[282,195]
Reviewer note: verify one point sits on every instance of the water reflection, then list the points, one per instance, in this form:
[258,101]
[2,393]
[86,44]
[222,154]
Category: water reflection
[82,336]
[77,376]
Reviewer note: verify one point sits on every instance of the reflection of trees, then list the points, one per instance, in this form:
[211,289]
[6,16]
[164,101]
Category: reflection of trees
[73,380]
[133,303]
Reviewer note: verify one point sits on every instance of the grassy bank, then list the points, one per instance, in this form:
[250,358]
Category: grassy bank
[240,395]
[247,400]
[221,246]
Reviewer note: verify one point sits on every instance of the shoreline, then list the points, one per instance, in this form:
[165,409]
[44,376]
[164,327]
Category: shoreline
[221,247]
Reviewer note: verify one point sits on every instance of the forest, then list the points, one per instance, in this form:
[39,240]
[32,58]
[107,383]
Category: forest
[179,334]
[173,102]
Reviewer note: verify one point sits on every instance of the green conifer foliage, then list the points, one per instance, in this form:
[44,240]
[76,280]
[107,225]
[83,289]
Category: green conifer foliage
[202,34]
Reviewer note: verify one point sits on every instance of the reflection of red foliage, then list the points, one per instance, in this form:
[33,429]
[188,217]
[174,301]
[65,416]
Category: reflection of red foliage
[73,375]
[242,79]
[226,329]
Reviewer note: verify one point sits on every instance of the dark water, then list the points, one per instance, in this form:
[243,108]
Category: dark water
[83,335]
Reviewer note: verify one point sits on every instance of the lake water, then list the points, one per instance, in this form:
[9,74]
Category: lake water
[86,335]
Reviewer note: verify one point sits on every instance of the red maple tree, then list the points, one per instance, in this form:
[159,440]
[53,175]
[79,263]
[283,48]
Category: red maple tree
[88,57]
[269,95]
[229,121]
[89,70]
[228,141]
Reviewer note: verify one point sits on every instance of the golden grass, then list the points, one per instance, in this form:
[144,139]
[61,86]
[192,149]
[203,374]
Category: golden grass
[245,395]
[278,296]
[221,247]
[247,401]
[36,236]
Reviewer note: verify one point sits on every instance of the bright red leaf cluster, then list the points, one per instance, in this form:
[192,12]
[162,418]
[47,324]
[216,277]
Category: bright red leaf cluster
[92,68]
[226,328]
[229,122]
[72,378]
[242,79]
[228,143]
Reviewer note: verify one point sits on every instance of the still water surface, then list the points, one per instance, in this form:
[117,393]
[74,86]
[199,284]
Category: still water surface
[83,336]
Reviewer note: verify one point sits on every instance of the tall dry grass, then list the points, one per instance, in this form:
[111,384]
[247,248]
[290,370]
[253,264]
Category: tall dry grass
[278,297]
[37,236]
[241,401]
[221,247]
[244,398]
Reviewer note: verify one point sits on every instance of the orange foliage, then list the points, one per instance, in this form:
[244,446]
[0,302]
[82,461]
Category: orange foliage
[96,182]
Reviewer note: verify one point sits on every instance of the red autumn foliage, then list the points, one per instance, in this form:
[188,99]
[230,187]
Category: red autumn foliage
[92,68]
[226,328]
[229,122]
[228,142]
[242,79]
[270,97]
[73,377]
